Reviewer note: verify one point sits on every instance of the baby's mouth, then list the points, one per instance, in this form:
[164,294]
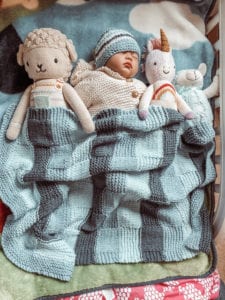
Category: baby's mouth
[128,65]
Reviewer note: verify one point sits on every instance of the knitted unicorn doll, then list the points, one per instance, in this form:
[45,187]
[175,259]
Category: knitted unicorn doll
[160,72]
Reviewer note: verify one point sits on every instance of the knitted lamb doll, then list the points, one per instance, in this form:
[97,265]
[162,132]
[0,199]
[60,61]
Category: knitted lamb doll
[189,84]
[51,130]
[160,72]
[47,55]
[111,84]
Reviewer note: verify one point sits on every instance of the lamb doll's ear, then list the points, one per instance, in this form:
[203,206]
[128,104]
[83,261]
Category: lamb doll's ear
[202,69]
[19,55]
[72,51]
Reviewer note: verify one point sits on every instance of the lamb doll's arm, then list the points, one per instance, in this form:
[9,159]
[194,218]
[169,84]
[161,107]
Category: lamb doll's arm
[145,102]
[212,90]
[79,108]
[17,120]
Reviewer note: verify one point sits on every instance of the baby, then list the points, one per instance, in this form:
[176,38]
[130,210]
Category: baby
[110,82]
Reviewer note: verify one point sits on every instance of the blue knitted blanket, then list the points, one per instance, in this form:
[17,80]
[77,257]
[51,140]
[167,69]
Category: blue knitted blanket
[132,192]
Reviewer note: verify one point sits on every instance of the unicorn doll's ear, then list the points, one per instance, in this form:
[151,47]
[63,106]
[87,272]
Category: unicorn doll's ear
[153,44]
[149,45]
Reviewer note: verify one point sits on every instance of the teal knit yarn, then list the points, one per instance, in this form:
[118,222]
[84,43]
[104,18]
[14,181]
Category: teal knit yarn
[113,41]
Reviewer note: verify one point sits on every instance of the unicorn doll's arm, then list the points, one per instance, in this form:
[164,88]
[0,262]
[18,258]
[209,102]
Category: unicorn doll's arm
[145,102]
[184,108]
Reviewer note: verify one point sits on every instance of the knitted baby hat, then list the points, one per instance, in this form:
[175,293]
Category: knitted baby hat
[113,41]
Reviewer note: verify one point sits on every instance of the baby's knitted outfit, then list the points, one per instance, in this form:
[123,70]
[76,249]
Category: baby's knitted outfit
[103,88]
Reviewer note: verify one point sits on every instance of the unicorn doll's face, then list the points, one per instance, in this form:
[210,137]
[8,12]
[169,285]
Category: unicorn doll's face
[159,65]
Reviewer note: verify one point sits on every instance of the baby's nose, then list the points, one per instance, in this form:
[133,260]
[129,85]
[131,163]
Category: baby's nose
[39,66]
[129,55]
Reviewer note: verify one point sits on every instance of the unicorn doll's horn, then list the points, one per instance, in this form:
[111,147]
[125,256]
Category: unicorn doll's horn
[164,42]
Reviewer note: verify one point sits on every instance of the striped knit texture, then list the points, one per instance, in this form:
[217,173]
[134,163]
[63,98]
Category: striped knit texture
[113,41]
[132,192]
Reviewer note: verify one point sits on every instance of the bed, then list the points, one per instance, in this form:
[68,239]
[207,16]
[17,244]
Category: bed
[152,243]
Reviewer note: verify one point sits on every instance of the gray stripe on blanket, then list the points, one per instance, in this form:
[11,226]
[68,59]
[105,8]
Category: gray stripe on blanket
[51,198]
[156,187]
[108,191]
[52,149]
[174,229]
[169,144]
[149,212]
[203,221]
[40,135]
[52,138]
[97,212]
[85,248]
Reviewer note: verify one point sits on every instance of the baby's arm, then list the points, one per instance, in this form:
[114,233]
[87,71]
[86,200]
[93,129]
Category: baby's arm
[17,120]
[145,102]
[78,106]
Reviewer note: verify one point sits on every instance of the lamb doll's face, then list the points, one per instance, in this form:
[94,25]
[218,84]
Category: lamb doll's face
[190,78]
[47,63]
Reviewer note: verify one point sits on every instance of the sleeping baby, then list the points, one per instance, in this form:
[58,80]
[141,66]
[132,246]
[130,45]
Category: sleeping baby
[110,82]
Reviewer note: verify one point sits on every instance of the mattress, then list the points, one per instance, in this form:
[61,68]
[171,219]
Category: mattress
[154,212]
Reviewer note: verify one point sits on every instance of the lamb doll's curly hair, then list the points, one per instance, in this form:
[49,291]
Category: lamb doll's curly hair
[47,37]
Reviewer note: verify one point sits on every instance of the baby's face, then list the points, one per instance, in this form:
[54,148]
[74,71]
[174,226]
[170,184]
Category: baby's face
[124,63]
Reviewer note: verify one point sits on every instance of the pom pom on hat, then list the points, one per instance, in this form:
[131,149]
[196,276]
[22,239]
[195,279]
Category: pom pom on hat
[113,41]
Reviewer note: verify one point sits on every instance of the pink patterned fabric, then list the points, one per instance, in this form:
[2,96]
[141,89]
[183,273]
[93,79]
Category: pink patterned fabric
[4,212]
[185,289]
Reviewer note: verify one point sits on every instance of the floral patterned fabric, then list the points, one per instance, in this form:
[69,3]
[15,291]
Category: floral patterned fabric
[4,212]
[185,289]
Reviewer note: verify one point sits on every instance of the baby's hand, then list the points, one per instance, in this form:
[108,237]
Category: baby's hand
[143,114]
